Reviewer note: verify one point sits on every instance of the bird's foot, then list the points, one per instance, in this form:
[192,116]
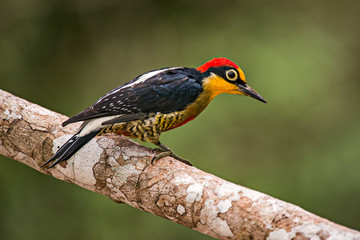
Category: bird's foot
[171,154]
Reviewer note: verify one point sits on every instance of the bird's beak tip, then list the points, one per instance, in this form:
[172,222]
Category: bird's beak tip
[258,97]
[248,91]
[263,100]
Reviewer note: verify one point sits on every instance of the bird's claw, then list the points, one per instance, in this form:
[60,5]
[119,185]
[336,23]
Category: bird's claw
[171,154]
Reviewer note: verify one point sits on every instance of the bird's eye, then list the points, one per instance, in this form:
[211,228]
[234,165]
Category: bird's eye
[231,75]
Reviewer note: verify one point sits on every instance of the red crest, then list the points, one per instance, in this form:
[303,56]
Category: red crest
[216,62]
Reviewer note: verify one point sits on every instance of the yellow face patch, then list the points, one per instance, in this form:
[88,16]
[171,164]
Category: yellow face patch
[241,74]
[215,85]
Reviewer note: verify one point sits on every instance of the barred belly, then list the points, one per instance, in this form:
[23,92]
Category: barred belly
[150,128]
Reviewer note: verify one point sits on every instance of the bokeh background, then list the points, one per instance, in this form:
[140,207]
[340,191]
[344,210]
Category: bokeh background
[302,147]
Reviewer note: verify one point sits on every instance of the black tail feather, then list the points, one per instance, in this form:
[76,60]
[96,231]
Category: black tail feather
[70,148]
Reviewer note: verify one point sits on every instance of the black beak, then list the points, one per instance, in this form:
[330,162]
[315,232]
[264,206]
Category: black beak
[248,91]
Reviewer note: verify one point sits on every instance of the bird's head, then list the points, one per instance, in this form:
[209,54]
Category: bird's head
[223,76]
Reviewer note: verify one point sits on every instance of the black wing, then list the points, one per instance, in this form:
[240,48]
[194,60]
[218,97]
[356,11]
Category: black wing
[163,90]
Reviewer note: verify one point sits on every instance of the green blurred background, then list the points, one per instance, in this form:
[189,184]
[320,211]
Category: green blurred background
[302,147]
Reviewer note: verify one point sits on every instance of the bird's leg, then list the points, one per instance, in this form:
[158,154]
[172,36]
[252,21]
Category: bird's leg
[167,152]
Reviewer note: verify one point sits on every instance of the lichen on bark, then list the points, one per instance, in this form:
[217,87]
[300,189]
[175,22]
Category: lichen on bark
[121,170]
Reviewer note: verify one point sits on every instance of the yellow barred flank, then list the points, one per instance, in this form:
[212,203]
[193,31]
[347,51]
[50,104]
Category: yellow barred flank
[151,128]
[148,129]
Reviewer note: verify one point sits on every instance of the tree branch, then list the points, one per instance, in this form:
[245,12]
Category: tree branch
[121,170]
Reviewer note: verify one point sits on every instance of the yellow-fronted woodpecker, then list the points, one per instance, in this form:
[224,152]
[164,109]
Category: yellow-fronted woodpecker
[154,102]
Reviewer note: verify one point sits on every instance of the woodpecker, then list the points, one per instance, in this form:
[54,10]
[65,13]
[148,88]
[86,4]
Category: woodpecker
[155,102]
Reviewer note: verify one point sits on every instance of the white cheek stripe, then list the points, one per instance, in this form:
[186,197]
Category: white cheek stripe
[95,125]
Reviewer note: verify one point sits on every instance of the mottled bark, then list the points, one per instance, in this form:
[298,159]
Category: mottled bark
[120,169]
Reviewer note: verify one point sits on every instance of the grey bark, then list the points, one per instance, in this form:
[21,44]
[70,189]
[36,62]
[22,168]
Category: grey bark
[121,170]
